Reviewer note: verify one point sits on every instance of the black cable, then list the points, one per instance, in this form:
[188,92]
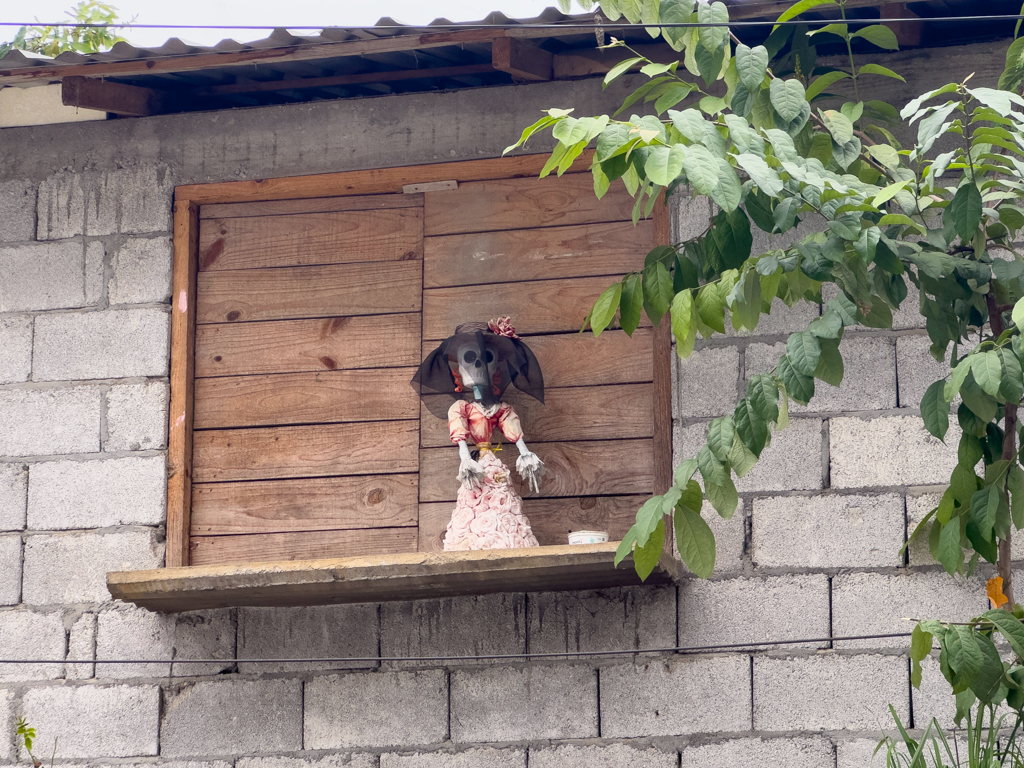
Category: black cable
[685,651]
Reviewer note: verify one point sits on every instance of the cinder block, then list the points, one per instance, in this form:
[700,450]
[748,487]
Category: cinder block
[708,382]
[376,709]
[610,756]
[329,631]
[82,647]
[730,538]
[791,463]
[859,753]
[876,604]
[232,717]
[6,725]
[524,703]
[29,635]
[704,694]
[918,370]
[61,207]
[337,760]
[17,211]
[141,271]
[15,348]
[827,531]
[95,272]
[10,569]
[42,276]
[828,692]
[97,494]
[131,201]
[764,753]
[95,721]
[935,698]
[921,501]
[889,451]
[471,758]
[101,345]
[43,422]
[752,610]
[628,617]
[13,496]
[782,321]
[137,417]
[132,633]
[68,568]
[869,382]
[455,626]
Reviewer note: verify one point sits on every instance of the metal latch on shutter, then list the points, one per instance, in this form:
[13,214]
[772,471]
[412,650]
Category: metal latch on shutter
[430,186]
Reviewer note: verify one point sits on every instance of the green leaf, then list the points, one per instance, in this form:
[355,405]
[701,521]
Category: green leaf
[683,326]
[880,35]
[799,386]
[965,211]
[797,8]
[987,679]
[751,428]
[712,38]
[984,509]
[711,469]
[701,169]
[830,365]
[664,164]
[684,472]
[751,65]
[935,410]
[829,78]
[721,434]
[620,68]
[1015,484]
[1009,626]
[741,459]
[950,554]
[788,98]
[710,307]
[728,192]
[766,178]
[657,285]
[763,394]
[1011,389]
[1018,309]
[889,192]
[920,648]
[631,303]
[877,69]
[804,350]
[604,308]
[723,498]
[625,548]
[646,557]
[695,542]
[987,368]
[838,125]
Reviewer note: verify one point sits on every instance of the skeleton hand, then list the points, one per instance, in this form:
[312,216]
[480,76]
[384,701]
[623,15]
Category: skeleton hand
[471,473]
[529,466]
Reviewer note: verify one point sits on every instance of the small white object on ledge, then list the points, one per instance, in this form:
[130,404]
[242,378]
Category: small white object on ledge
[588,537]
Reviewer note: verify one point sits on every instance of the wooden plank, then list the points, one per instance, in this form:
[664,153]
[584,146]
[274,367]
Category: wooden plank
[179,436]
[377,578]
[614,411]
[297,84]
[340,237]
[542,306]
[535,254]
[380,394]
[369,182]
[317,504]
[321,450]
[316,205]
[663,390]
[290,346]
[304,545]
[484,206]
[320,291]
[524,61]
[106,96]
[551,519]
[598,468]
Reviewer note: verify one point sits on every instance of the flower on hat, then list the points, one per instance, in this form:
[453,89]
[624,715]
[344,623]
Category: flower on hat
[503,327]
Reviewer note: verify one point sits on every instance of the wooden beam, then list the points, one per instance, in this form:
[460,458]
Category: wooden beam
[908,33]
[183,335]
[593,61]
[118,98]
[521,59]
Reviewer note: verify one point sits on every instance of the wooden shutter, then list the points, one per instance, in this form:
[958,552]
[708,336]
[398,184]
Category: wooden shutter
[312,314]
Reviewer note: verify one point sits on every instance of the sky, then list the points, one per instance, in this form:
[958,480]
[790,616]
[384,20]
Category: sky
[282,13]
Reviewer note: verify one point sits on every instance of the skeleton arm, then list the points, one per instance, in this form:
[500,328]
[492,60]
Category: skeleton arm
[470,472]
[529,465]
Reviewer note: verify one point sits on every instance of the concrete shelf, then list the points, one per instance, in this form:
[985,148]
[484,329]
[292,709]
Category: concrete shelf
[382,578]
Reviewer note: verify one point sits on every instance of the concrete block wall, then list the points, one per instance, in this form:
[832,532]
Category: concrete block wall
[85,256]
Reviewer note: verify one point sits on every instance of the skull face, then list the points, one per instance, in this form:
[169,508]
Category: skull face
[476,365]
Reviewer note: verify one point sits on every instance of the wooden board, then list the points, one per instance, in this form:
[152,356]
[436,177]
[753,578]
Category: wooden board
[551,519]
[320,291]
[316,205]
[591,468]
[535,254]
[290,346]
[542,306]
[484,206]
[311,238]
[382,394]
[218,550]
[376,578]
[317,504]
[614,411]
[387,447]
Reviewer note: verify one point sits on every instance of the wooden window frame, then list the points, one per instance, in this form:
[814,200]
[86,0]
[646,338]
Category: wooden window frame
[140,586]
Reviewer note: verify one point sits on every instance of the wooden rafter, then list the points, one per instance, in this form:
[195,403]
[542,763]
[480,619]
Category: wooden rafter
[118,98]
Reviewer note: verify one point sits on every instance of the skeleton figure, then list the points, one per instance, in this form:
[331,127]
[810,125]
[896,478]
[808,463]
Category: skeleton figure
[475,366]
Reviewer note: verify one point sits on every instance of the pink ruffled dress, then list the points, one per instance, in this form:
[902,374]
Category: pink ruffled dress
[489,516]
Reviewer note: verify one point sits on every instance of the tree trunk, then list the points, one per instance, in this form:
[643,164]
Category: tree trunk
[1004,564]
